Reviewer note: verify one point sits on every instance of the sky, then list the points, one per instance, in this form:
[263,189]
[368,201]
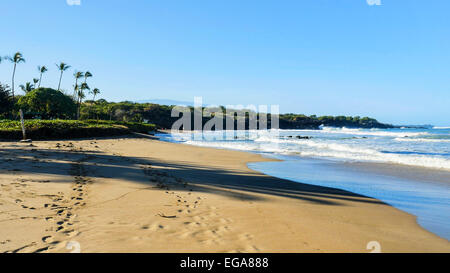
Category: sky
[322,57]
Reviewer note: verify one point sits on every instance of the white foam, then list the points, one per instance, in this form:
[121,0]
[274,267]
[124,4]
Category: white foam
[420,161]
[239,146]
[437,140]
[371,132]
[424,152]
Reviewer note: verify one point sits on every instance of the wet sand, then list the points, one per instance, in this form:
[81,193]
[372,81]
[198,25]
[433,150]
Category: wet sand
[413,173]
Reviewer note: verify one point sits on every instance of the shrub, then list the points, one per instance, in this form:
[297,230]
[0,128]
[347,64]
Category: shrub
[48,104]
[69,129]
[6,101]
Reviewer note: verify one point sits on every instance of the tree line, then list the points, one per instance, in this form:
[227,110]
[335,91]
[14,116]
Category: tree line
[160,115]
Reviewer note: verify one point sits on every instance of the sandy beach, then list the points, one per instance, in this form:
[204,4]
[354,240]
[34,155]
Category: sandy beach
[143,195]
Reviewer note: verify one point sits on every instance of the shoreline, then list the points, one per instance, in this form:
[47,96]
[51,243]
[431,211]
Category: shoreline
[390,184]
[143,195]
[393,172]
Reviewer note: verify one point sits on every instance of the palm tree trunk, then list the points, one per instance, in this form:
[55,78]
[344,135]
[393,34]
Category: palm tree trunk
[91,107]
[14,74]
[60,77]
[79,106]
[79,110]
[75,95]
[40,79]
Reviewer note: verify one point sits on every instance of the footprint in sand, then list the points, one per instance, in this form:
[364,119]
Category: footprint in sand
[246,237]
[47,239]
[5,242]
[26,207]
[71,233]
[41,250]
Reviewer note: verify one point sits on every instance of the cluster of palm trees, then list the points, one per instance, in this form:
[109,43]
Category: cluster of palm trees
[80,79]
[80,86]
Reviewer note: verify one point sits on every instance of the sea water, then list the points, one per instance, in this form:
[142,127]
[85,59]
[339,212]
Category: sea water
[318,157]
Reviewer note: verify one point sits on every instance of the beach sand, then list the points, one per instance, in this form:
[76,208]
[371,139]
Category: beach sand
[142,195]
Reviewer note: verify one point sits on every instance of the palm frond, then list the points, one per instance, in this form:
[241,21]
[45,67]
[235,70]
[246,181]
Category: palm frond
[84,86]
[18,58]
[63,66]
[78,75]
[87,74]
[42,69]
[28,87]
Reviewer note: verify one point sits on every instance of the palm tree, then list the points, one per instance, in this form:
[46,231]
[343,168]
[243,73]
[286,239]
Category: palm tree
[62,67]
[16,59]
[95,92]
[81,96]
[42,70]
[76,89]
[87,75]
[35,81]
[28,87]
[78,75]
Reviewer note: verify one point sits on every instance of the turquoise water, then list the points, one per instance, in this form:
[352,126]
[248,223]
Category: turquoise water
[316,157]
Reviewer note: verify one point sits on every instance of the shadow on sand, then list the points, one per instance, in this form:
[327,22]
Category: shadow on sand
[241,185]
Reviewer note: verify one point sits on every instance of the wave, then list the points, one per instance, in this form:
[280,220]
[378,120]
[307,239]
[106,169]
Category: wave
[424,149]
[371,132]
[437,140]
[239,146]
[333,150]
[419,161]
[350,153]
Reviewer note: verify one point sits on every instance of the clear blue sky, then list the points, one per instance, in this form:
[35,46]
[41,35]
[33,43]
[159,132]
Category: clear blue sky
[334,57]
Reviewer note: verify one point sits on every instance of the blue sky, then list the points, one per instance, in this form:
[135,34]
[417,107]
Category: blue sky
[334,57]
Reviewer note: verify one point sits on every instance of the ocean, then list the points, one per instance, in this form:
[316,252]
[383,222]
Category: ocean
[406,168]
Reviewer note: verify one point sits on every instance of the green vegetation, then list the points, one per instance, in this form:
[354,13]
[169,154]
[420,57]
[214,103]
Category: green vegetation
[6,102]
[47,103]
[70,129]
[128,112]
[28,87]
[161,116]
[294,121]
